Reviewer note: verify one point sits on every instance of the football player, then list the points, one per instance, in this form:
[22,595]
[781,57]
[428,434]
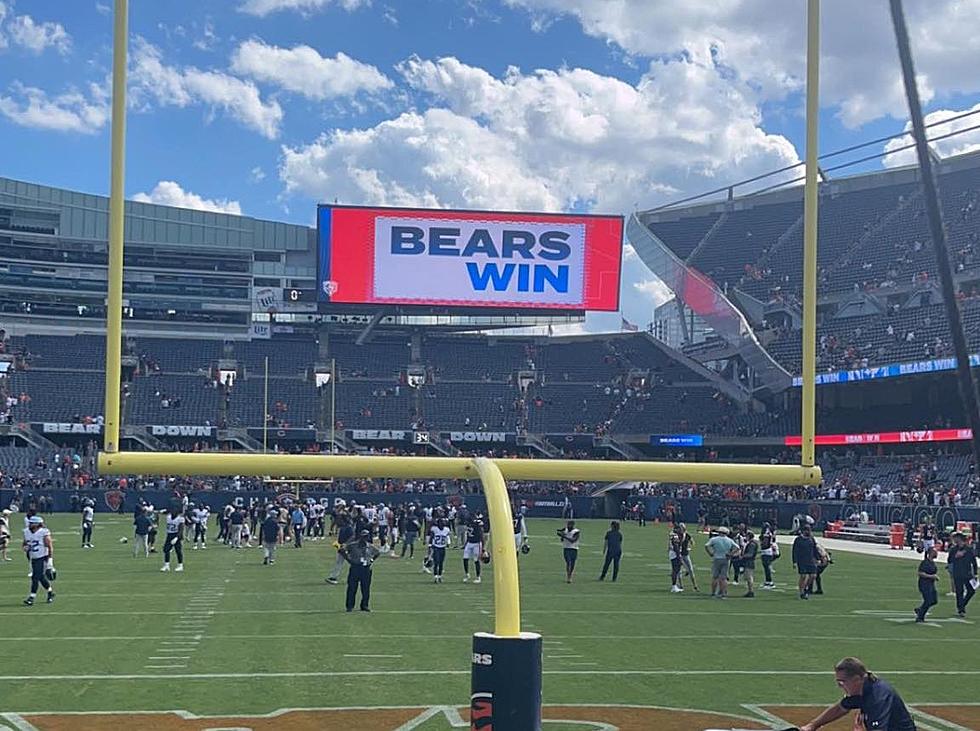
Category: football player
[473,548]
[440,538]
[88,520]
[4,535]
[175,535]
[199,519]
[37,546]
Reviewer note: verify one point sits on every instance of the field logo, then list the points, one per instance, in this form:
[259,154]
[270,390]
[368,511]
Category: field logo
[114,499]
[481,711]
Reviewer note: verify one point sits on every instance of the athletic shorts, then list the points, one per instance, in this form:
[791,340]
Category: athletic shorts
[719,568]
[571,555]
[410,537]
[807,569]
[471,550]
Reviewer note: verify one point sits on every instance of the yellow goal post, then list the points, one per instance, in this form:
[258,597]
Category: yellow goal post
[492,473]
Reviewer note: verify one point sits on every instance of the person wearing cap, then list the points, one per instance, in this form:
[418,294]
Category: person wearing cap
[270,535]
[721,548]
[37,546]
[360,554]
[880,707]
[805,558]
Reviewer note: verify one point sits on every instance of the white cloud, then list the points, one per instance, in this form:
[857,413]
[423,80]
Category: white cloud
[655,290]
[208,39]
[256,174]
[303,70]
[763,43]
[151,80]
[265,7]
[36,37]
[24,31]
[170,193]
[71,111]
[956,145]
[548,140]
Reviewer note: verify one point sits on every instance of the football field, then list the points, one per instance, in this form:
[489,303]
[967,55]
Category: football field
[271,646]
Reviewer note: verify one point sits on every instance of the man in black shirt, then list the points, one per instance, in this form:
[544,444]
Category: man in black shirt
[928,576]
[805,558]
[881,708]
[612,546]
[270,535]
[361,555]
[963,562]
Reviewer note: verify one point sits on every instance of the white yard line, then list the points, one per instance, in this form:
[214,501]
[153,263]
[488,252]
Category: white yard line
[385,672]
[549,640]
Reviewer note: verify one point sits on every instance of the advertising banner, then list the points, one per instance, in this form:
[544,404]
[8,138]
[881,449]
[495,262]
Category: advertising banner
[889,437]
[677,440]
[469,258]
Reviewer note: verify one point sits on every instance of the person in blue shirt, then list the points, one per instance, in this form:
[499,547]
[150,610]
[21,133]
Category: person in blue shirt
[879,705]
[299,520]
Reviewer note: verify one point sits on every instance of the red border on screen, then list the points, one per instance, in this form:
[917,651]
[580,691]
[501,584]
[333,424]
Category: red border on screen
[352,256]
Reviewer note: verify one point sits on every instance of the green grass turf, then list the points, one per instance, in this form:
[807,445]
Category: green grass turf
[114,612]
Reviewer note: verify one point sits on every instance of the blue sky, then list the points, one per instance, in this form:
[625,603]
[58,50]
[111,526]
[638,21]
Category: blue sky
[268,106]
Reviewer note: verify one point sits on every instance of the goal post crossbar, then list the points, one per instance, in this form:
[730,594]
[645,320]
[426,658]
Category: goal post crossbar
[492,473]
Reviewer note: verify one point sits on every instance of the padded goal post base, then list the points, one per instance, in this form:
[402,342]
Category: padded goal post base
[506,683]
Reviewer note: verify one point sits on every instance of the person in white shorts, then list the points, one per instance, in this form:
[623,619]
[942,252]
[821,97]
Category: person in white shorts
[473,548]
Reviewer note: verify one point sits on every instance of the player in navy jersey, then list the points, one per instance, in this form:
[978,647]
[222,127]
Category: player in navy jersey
[473,548]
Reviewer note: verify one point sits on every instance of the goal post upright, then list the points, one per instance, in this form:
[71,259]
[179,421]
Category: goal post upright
[811,202]
[117,203]
[512,665]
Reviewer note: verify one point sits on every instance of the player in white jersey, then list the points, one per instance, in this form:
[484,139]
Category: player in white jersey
[520,530]
[440,538]
[175,535]
[199,517]
[4,535]
[384,526]
[37,546]
[88,520]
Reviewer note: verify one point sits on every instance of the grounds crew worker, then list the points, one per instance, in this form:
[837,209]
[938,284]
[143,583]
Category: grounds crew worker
[360,554]
[880,707]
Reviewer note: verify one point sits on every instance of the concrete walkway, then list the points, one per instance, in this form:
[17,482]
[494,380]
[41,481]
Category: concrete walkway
[868,549]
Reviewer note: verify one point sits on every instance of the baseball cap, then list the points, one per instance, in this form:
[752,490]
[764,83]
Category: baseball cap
[724,531]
